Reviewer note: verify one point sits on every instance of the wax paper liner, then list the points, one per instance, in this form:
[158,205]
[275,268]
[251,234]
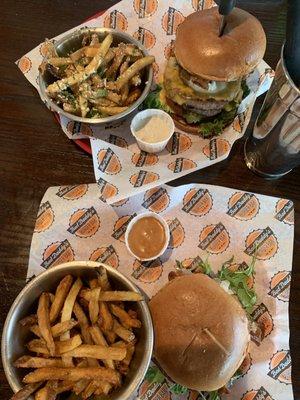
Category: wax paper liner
[74,223]
[154,24]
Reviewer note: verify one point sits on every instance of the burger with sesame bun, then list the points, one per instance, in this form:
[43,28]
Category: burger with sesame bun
[205,77]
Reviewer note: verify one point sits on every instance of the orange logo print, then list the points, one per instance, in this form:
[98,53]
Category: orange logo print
[84,222]
[192,264]
[177,234]
[108,162]
[106,255]
[116,20]
[145,8]
[263,318]
[73,192]
[121,226]
[144,159]
[280,367]
[79,128]
[143,178]
[179,143]
[169,49]
[202,4]
[156,200]
[260,394]
[280,286]
[197,202]
[154,391]
[45,217]
[57,253]
[107,189]
[216,148]
[146,37]
[24,64]
[148,271]
[285,211]
[239,122]
[117,140]
[262,243]
[181,164]
[171,19]
[120,203]
[214,238]
[243,206]
[155,70]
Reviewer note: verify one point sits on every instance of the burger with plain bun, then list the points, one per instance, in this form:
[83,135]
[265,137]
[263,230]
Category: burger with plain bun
[205,77]
[201,332]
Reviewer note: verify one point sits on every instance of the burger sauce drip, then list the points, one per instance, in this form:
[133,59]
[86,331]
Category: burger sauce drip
[146,238]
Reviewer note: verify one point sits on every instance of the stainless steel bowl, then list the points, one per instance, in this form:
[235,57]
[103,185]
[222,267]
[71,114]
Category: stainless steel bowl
[72,42]
[15,336]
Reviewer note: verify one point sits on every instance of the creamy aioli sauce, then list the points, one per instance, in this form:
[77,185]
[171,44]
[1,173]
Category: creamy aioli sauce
[147,237]
[153,130]
[213,87]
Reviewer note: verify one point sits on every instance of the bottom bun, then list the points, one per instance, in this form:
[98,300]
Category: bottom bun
[184,126]
[201,332]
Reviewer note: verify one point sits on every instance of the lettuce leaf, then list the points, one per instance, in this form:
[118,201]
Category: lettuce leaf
[154,375]
[178,389]
[153,100]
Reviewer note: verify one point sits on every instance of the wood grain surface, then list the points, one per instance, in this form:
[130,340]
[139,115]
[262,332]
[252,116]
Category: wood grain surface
[35,154]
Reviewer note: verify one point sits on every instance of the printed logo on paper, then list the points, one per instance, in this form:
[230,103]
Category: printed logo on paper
[121,226]
[169,49]
[171,19]
[148,271]
[117,140]
[106,255]
[191,264]
[181,164]
[146,37]
[280,286]
[155,68]
[264,321]
[57,253]
[177,234]
[84,222]
[72,192]
[116,20]
[239,122]
[216,148]
[156,200]
[143,178]
[108,162]
[197,202]
[154,391]
[262,242]
[145,8]
[202,4]
[285,211]
[243,206]
[24,64]
[44,218]
[79,128]
[178,143]
[260,394]
[280,367]
[44,49]
[246,365]
[120,203]
[214,238]
[107,189]
[144,159]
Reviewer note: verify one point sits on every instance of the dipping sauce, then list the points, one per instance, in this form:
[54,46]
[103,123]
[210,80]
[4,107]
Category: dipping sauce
[153,130]
[147,237]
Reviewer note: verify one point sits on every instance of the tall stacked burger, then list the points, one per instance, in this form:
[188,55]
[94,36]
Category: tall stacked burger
[205,76]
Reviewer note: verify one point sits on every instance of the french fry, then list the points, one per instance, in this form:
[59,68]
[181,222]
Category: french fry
[26,391]
[37,362]
[133,96]
[89,390]
[106,321]
[112,295]
[59,61]
[72,374]
[99,339]
[111,110]
[83,323]
[129,354]
[57,329]
[80,385]
[110,336]
[103,278]
[98,352]
[60,297]
[63,386]
[122,332]
[93,283]
[103,388]
[39,346]
[29,321]
[44,322]
[94,304]
[124,317]
[42,394]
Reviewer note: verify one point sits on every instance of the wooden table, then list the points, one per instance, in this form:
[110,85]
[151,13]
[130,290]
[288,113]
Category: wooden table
[35,154]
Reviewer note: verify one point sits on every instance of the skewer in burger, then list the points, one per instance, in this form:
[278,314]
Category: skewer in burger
[201,331]
[204,80]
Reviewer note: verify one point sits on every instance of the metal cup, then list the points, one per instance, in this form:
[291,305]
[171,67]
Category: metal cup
[273,148]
